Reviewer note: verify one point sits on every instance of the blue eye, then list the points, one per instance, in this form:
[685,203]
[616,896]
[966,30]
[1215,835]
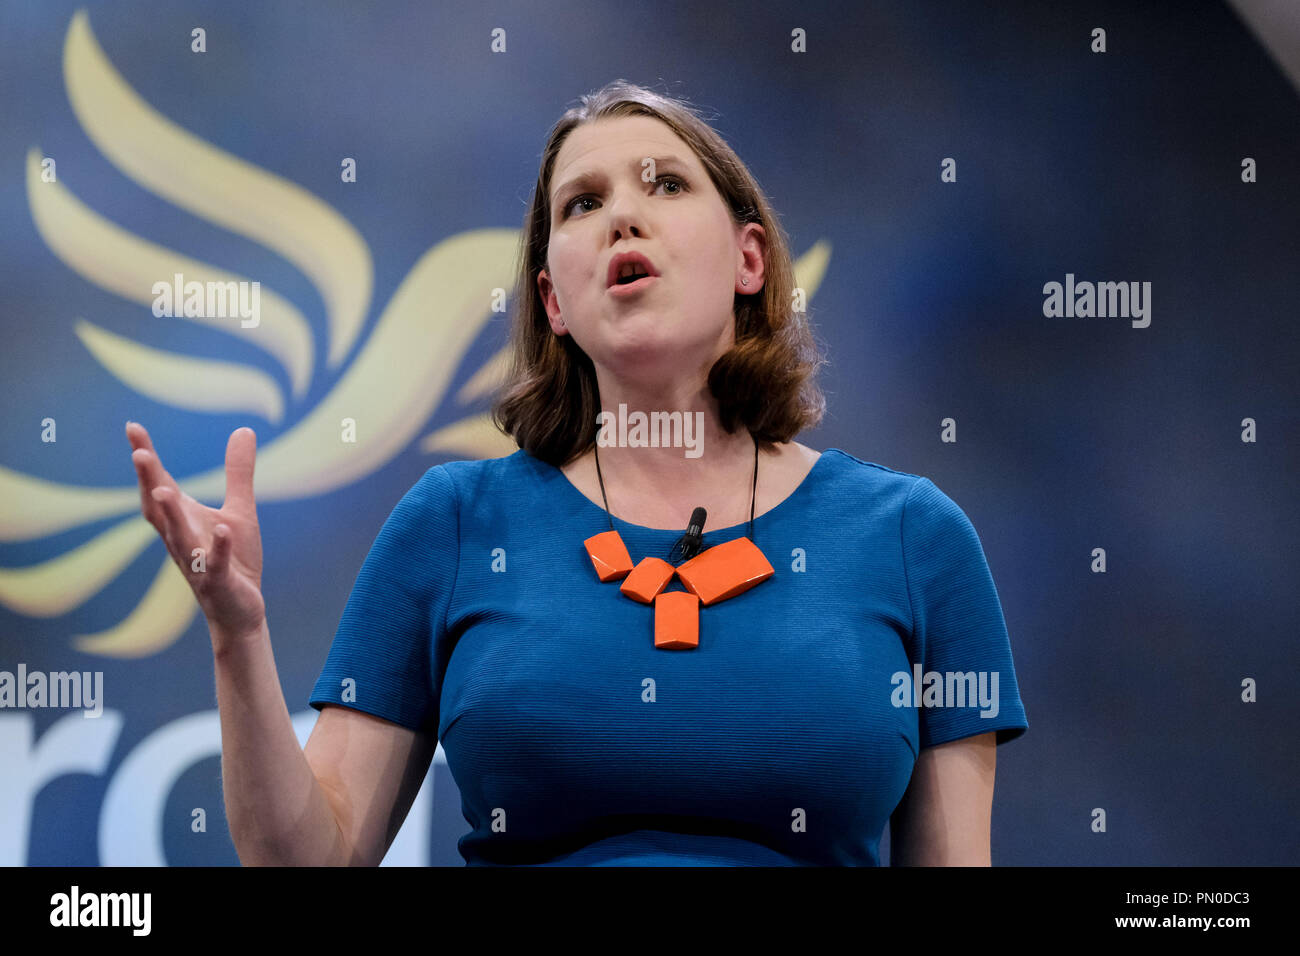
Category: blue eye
[589,197]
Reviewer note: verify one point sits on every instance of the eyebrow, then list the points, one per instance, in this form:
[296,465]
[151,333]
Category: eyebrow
[589,179]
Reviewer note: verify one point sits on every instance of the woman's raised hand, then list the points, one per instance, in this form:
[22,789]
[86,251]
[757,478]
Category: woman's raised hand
[228,588]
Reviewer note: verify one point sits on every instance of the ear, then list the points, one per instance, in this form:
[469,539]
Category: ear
[751,240]
[551,302]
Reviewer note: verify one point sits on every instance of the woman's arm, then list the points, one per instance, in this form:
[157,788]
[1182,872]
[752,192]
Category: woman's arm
[945,816]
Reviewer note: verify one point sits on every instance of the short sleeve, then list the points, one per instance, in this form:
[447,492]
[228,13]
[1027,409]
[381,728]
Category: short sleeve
[388,655]
[959,636]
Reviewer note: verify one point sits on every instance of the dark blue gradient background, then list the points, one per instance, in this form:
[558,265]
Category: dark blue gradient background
[1073,433]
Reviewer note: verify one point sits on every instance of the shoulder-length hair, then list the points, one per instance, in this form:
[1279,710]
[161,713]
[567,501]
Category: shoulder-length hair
[550,401]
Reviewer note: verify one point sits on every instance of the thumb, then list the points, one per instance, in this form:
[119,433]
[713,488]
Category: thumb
[241,451]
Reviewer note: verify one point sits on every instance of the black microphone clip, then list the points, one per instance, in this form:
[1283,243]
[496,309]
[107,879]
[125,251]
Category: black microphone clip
[690,543]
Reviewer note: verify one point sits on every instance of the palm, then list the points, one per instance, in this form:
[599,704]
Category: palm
[227,581]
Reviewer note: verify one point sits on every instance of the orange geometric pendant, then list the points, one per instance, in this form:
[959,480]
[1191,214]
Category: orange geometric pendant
[609,555]
[725,570]
[647,579]
[721,572]
[677,621]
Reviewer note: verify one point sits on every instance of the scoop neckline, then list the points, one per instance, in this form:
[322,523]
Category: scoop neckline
[800,489]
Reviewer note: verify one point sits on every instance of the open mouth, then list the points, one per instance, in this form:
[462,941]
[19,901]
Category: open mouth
[630,285]
[629,272]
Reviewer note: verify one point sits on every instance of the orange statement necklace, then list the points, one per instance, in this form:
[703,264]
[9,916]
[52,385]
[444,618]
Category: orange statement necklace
[721,572]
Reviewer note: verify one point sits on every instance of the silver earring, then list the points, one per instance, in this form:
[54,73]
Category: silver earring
[744,282]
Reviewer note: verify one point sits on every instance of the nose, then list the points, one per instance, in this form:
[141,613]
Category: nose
[625,216]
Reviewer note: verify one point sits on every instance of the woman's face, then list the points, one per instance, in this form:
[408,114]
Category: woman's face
[682,319]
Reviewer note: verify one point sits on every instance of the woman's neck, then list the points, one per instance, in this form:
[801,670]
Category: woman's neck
[658,487]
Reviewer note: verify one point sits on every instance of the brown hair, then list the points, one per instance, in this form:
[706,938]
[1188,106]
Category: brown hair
[549,402]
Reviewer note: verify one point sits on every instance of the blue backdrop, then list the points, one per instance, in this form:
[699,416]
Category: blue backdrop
[1161,690]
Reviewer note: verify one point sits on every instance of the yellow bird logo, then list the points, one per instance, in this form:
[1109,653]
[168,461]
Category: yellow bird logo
[393,385]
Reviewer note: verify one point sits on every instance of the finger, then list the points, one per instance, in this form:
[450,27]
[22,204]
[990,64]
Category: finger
[154,475]
[138,436]
[148,507]
[179,533]
[157,474]
[241,454]
[220,556]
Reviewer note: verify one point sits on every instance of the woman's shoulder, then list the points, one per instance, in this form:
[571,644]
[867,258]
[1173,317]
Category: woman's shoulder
[868,488]
[473,476]
[849,467]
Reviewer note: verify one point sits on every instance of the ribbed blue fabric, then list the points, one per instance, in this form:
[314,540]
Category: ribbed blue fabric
[780,740]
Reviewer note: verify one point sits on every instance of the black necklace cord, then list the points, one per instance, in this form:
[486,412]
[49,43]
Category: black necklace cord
[596,449]
[690,543]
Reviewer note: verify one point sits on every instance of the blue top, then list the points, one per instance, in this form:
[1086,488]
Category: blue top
[787,737]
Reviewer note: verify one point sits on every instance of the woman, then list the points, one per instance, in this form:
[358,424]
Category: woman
[752,704]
